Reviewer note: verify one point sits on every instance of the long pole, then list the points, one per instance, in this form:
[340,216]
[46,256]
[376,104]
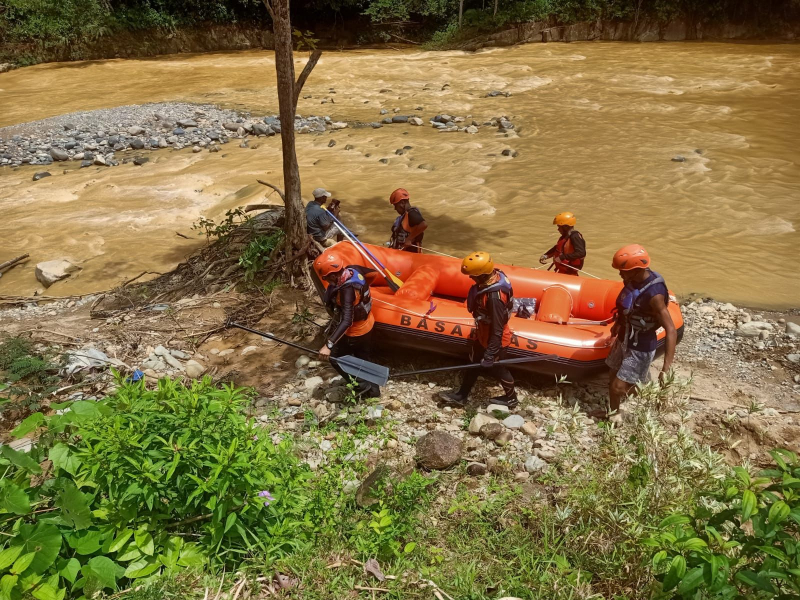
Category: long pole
[508,361]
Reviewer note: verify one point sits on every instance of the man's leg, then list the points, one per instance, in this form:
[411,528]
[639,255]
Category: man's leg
[361,347]
[618,390]
[506,379]
[468,379]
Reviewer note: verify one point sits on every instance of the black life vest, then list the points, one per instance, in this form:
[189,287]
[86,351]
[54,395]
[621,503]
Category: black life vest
[637,314]
[401,230]
[476,303]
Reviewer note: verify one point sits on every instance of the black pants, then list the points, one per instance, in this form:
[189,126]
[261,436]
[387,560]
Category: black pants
[499,372]
[360,347]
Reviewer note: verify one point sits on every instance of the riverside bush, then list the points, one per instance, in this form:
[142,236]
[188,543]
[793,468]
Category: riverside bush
[145,483]
[744,542]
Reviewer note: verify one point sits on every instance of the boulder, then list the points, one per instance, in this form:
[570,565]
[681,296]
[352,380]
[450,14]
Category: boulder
[400,119]
[416,121]
[260,129]
[58,154]
[792,328]
[137,144]
[135,130]
[471,129]
[753,328]
[100,160]
[40,175]
[438,450]
[478,421]
[514,422]
[50,271]
[140,160]
[231,126]
[491,431]
[534,464]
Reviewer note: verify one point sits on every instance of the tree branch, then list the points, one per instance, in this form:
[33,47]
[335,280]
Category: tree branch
[276,188]
[298,86]
[269,9]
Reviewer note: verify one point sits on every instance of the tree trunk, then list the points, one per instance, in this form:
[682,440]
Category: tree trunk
[495,8]
[460,12]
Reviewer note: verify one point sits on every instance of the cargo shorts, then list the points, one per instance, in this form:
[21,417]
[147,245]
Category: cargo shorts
[632,366]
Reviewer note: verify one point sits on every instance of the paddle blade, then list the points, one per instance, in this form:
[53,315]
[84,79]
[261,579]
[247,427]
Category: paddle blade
[368,371]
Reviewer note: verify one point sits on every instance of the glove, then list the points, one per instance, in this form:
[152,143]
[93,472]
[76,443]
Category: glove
[543,259]
[487,361]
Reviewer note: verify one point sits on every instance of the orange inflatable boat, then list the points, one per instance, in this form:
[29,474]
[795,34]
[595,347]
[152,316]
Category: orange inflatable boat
[429,312]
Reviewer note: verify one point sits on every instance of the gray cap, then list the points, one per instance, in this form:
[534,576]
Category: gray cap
[320,192]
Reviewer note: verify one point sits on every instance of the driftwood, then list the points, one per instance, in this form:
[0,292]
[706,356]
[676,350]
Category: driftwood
[12,262]
[252,207]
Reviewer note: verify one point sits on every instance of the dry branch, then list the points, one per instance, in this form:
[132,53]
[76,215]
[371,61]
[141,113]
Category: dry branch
[13,261]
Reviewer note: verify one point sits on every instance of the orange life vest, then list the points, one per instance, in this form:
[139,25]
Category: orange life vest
[564,246]
[478,305]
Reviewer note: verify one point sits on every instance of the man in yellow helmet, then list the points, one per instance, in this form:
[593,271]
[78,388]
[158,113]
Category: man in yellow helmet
[570,250]
[489,301]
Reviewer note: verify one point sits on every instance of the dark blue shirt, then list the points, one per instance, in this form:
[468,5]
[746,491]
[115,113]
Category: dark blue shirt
[318,221]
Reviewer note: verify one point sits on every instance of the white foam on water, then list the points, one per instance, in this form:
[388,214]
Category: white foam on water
[529,83]
[769,226]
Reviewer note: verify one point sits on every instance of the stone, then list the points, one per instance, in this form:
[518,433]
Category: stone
[531,430]
[86,163]
[491,431]
[534,464]
[753,328]
[226,352]
[471,129]
[400,119]
[196,149]
[521,477]
[40,175]
[321,411]
[173,362]
[793,358]
[504,438]
[495,93]
[678,158]
[313,383]
[476,469]
[478,421]
[331,144]
[510,152]
[230,126]
[100,160]
[58,154]
[48,272]
[194,369]
[294,402]
[513,422]
[792,328]
[498,410]
[135,130]
[248,350]
[367,492]
[374,412]
[338,125]
[187,123]
[302,362]
[137,144]
[140,160]
[416,121]
[427,167]
[438,450]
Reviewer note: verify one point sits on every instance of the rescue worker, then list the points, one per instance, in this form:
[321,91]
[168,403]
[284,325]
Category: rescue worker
[641,308]
[348,296]
[319,223]
[409,227]
[570,250]
[489,301]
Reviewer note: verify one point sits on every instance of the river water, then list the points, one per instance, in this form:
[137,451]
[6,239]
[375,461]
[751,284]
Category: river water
[596,127]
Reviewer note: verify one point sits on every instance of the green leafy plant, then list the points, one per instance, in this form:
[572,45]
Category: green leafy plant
[145,483]
[30,375]
[743,543]
[258,253]
[222,231]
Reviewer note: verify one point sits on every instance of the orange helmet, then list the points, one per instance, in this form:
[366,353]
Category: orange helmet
[565,218]
[632,256]
[328,263]
[398,196]
[477,263]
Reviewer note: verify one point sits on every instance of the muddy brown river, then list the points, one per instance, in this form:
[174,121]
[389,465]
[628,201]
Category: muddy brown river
[596,127]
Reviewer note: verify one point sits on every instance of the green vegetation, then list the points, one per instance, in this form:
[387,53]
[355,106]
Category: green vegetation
[165,490]
[258,253]
[64,28]
[25,375]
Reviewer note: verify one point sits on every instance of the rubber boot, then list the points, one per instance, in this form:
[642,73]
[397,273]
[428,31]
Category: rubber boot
[509,400]
[454,398]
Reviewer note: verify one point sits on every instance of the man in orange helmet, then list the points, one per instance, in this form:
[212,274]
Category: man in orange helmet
[570,250]
[489,301]
[641,309]
[409,227]
[348,297]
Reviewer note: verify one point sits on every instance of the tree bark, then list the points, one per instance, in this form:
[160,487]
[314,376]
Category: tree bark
[495,8]
[288,94]
[460,12]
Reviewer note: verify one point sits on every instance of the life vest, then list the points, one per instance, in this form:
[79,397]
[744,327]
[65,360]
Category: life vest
[363,301]
[477,304]
[637,314]
[564,246]
[402,231]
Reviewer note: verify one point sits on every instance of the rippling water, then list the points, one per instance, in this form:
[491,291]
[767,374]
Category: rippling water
[597,125]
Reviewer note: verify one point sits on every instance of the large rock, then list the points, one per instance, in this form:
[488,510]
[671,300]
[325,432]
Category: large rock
[40,175]
[231,126]
[478,421]
[194,369]
[137,144]
[58,154]
[753,328]
[50,271]
[416,121]
[135,130]
[792,328]
[260,129]
[438,450]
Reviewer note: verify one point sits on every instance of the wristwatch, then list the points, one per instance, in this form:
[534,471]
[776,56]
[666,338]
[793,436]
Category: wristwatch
[330,344]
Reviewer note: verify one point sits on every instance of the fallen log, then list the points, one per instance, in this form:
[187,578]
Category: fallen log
[12,262]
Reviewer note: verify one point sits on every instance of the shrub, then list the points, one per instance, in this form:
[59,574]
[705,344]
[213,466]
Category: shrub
[743,543]
[145,483]
[30,375]
[258,253]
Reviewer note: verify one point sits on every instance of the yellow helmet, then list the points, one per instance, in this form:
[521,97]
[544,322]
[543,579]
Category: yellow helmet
[565,218]
[477,263]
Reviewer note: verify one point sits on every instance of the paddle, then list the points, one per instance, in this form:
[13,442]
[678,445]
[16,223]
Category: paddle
[508,361]
[374,373]
[392,280]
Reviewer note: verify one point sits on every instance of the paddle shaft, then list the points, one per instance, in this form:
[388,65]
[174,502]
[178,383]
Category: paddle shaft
[351,238]
[507,361]
[275,339]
